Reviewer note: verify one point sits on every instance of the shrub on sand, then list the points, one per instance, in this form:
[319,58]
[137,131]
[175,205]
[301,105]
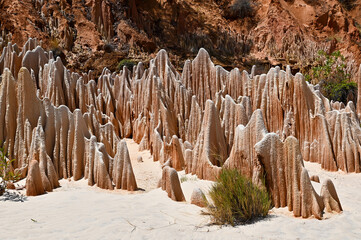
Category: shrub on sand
[236,200]
[7,175]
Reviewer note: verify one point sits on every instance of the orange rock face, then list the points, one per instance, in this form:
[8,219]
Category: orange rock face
[278,32]
[200,120]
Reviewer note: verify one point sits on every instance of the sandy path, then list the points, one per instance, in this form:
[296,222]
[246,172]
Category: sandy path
[148,172]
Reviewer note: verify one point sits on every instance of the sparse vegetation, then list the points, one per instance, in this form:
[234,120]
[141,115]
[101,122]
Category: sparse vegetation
[347,4]
[186,178]
[58,51]
[217,159]
[330,72]
[6,173]
[126,62]
[240,9]
[236,200]
[108,48]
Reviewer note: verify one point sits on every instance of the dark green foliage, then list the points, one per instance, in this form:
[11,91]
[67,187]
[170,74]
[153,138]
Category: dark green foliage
[342,91]
[236,200]
[6,173]
[330,72]
[128,63]
[240,9]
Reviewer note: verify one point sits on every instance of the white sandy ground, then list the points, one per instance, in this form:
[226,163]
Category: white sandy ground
[78,211]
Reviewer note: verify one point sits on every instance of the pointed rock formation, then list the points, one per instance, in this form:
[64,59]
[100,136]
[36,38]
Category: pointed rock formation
[201,120]
[286,178]
[174,154]
[210,150]
[329,197]
[171,184]
[232,115]
[243,155]
[123,176]
[34,185]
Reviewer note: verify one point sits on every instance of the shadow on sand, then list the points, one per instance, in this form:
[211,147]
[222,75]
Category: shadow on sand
[13,197]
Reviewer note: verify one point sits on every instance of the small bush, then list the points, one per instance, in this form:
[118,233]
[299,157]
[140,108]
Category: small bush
[126,62]
[347,4]
[236,200]
[6,173]
[186,178]
[58,51]
[240,9]
[329,71]
[343,91]
[108,48]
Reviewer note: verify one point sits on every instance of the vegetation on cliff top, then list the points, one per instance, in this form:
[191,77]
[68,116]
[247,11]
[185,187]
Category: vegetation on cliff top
[329,71]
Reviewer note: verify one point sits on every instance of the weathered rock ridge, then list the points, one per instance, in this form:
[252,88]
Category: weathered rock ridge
[200,120]
[91,34]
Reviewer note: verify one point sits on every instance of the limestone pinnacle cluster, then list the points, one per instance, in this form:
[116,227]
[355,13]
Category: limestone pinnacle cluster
[60,124]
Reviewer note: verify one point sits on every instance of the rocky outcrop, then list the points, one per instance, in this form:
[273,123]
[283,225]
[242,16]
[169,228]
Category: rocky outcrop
[123,175]
[286,178]
[102,17]
[34,184]
[61,141]
[90,32]
[10,185]
[202,120]
[174,154]
[233,115]
[243,155]
[210,150]
[264,157]
[329,197]
[171,184]
[315,178]
[198,198]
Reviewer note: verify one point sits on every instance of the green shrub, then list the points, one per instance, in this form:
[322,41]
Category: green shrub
[6,173]
[342,91]
[329,71]
[128,63]
[236,200]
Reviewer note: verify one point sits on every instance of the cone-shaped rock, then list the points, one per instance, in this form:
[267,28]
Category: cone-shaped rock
[171,184]
[123,176]
[34,185]
[210,150]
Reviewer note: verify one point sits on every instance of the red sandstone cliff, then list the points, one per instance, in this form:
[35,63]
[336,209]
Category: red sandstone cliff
[93,34]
